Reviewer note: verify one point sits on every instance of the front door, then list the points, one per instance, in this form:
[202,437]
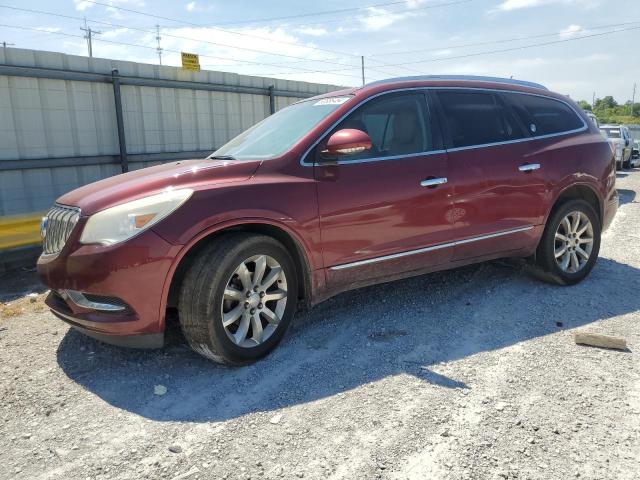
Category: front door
[385,211]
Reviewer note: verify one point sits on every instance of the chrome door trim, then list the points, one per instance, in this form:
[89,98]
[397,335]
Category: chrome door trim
[393,256]
[454,149]
[528,167]
[432,182]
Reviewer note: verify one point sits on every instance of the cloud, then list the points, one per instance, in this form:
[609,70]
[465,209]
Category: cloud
[570,31]
[379,18]
[114,33]
[191,6]
[313,32]
[510,5]
[82,5]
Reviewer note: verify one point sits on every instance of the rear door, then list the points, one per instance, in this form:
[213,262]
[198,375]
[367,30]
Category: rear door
[499,189]
[385,211]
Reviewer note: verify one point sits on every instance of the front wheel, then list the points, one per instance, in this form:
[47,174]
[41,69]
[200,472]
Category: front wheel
[570,243]
[238,298]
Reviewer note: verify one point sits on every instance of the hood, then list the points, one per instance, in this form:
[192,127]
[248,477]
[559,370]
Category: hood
[147,181]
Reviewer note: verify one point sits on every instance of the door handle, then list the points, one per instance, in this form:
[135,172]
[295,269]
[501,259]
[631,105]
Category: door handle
[529,167]
[433,182]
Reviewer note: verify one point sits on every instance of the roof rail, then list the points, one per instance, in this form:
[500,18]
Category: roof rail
[475,78]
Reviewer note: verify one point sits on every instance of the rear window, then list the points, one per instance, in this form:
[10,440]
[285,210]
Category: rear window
[477,118]
[543,115]
[611,132]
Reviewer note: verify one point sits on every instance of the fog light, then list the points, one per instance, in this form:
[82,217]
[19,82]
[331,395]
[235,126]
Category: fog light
[94,302]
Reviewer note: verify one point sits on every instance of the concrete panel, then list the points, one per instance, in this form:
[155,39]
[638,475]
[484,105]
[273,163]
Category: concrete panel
[46,118]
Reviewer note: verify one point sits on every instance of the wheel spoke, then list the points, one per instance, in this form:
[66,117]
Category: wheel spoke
[272,277]
[261,265]
[559,236]
[243,328]
[275,295]
[583,229]
[575,263]
[565,261]
[576,221]
[567,225]
[231,293]
[582,253]
[256,327]
[230,318]
[245,276]
[560,251]
[586,240]
[271,316]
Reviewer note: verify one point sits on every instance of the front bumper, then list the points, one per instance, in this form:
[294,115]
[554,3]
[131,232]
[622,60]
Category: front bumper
[133,273]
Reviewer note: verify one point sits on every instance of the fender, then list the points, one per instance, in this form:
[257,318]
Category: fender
[315,272]
[571,182]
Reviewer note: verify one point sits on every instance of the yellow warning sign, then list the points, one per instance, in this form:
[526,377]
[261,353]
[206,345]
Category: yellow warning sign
[190,61]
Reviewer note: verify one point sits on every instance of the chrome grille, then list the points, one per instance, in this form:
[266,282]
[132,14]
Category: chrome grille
[57,226]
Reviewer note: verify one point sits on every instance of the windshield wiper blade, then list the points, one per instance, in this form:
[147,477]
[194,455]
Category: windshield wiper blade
[223,157]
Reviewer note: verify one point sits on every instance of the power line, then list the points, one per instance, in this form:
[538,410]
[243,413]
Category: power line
[488,52]
[248,62]
[288,17]
[115,25]
[503,40]
[5,44]
[244,34]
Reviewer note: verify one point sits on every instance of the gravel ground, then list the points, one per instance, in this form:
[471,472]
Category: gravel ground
[471,373]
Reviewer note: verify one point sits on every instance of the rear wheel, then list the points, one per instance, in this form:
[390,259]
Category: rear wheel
[570,243]
[238,298]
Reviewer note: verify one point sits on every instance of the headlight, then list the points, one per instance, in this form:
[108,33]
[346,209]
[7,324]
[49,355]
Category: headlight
[120,223]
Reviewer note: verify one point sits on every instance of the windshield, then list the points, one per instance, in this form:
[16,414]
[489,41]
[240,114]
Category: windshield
[611,132]
[279,132]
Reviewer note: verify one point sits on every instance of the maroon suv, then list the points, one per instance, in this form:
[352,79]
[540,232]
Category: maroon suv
[351,188]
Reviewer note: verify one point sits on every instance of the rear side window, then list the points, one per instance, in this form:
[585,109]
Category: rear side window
[477,118]
[543,115]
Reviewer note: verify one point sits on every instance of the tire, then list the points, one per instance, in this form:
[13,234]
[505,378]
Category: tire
[549,244]
[204,298]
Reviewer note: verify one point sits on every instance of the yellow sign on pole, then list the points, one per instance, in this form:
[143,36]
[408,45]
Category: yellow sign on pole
[190,61]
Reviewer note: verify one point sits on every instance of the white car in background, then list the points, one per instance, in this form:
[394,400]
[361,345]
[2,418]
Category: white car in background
[635,154]
[621,139]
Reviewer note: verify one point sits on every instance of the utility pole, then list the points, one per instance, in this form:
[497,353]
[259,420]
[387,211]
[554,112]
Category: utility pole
[633,97]
[593,101]
[158,48]
[362,63]
[88,33]
[5,44]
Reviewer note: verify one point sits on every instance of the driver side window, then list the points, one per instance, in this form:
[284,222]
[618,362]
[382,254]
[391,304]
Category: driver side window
[397,124]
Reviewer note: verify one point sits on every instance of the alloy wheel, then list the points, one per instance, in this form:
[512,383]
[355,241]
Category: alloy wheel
[573,242]
[254,302]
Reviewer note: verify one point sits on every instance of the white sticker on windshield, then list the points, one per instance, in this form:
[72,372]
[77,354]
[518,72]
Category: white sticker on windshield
[331,101]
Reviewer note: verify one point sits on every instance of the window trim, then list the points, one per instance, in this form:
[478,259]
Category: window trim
[437,114]
[429,119]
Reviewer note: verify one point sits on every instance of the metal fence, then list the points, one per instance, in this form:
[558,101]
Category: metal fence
[69,120]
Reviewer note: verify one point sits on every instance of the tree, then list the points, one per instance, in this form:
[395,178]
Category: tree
[606,102]
[583,104]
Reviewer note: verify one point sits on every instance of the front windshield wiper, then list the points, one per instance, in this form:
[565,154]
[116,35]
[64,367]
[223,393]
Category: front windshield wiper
[223,157]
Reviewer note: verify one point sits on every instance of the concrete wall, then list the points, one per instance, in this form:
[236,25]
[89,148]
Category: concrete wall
[44,118]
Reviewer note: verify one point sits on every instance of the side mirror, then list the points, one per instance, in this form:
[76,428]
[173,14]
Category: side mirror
[626,142]
[348,141]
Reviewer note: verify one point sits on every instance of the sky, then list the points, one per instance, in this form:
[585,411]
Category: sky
[575,47]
